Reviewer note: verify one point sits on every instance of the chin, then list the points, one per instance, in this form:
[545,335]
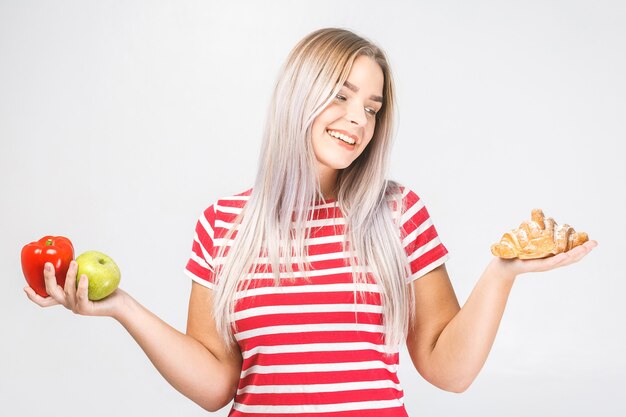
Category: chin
[338,165]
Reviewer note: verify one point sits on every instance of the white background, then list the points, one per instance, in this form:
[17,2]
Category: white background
[120,121]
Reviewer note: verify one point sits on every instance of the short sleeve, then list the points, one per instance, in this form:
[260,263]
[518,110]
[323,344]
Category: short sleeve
[419,237]
[200,266]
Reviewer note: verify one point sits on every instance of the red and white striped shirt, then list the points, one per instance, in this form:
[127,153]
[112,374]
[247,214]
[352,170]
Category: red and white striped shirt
[308,349]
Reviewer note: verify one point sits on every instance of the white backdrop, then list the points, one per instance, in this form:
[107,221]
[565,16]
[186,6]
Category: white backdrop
[120,121]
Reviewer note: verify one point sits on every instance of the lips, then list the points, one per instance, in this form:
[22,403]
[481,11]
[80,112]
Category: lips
[344,136]
[341,143]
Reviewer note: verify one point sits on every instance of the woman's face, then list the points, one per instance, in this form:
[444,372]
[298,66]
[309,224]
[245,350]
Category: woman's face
[350,117]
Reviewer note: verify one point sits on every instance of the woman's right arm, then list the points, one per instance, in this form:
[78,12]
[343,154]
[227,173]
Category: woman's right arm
[197,363]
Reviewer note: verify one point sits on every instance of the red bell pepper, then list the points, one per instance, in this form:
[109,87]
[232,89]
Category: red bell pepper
[57,250]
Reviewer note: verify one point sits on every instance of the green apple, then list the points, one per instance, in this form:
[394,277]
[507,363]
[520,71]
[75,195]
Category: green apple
[104,275]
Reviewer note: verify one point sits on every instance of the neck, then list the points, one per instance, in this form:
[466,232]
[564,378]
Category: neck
[328,181]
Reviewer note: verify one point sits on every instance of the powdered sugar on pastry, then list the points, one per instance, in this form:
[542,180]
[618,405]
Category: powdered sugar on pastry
[539,237]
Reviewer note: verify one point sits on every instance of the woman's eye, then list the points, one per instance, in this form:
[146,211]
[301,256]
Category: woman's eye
[369,110]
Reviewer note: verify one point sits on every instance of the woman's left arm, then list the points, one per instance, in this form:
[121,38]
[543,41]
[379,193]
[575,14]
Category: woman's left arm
[448,344]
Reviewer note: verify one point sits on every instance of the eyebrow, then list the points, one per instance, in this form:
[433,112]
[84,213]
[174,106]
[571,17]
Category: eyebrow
[356,90]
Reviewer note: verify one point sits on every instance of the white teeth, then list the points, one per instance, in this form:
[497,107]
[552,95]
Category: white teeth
[340,136]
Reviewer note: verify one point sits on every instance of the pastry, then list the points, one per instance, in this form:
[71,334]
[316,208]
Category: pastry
[538,238]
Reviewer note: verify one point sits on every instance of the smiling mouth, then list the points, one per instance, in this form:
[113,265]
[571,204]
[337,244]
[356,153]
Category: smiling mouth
[341,137]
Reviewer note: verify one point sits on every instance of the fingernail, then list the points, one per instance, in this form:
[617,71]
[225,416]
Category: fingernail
[47,267]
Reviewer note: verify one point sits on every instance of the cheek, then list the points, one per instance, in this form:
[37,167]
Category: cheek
[317,132]
[329,115]
[323,120]
[369,130]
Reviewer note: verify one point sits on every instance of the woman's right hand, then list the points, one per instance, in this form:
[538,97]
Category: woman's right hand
[216,370]
[73,298]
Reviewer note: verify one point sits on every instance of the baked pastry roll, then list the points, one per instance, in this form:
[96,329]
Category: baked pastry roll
[538,238]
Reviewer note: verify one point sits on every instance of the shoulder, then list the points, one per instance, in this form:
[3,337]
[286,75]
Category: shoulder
[226,206]
[233,202]
[402,198]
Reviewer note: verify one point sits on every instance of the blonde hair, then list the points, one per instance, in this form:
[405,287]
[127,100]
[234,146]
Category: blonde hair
[273,220]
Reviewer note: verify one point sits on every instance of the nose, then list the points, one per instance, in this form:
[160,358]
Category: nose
[355,114]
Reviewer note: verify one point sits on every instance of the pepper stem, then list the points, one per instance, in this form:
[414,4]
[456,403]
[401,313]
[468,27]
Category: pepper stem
[49,242]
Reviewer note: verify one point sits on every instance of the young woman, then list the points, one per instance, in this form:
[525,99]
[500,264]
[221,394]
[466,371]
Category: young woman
[305,285]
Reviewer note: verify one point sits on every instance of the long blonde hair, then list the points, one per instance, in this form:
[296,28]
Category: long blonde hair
[286,187]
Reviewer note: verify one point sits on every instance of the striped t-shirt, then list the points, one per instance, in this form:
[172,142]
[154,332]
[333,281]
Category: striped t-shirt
[308,349]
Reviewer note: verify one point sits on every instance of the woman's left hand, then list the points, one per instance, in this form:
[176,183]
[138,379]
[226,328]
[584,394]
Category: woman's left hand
[522,266]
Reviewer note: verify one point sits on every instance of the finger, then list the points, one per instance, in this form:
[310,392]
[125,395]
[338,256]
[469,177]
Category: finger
[545,264]
[38,299]
[557,261]
[579,252]
[573,255]
[70,284]
[552,263]
[590,245]
[52,288]
[82,294]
